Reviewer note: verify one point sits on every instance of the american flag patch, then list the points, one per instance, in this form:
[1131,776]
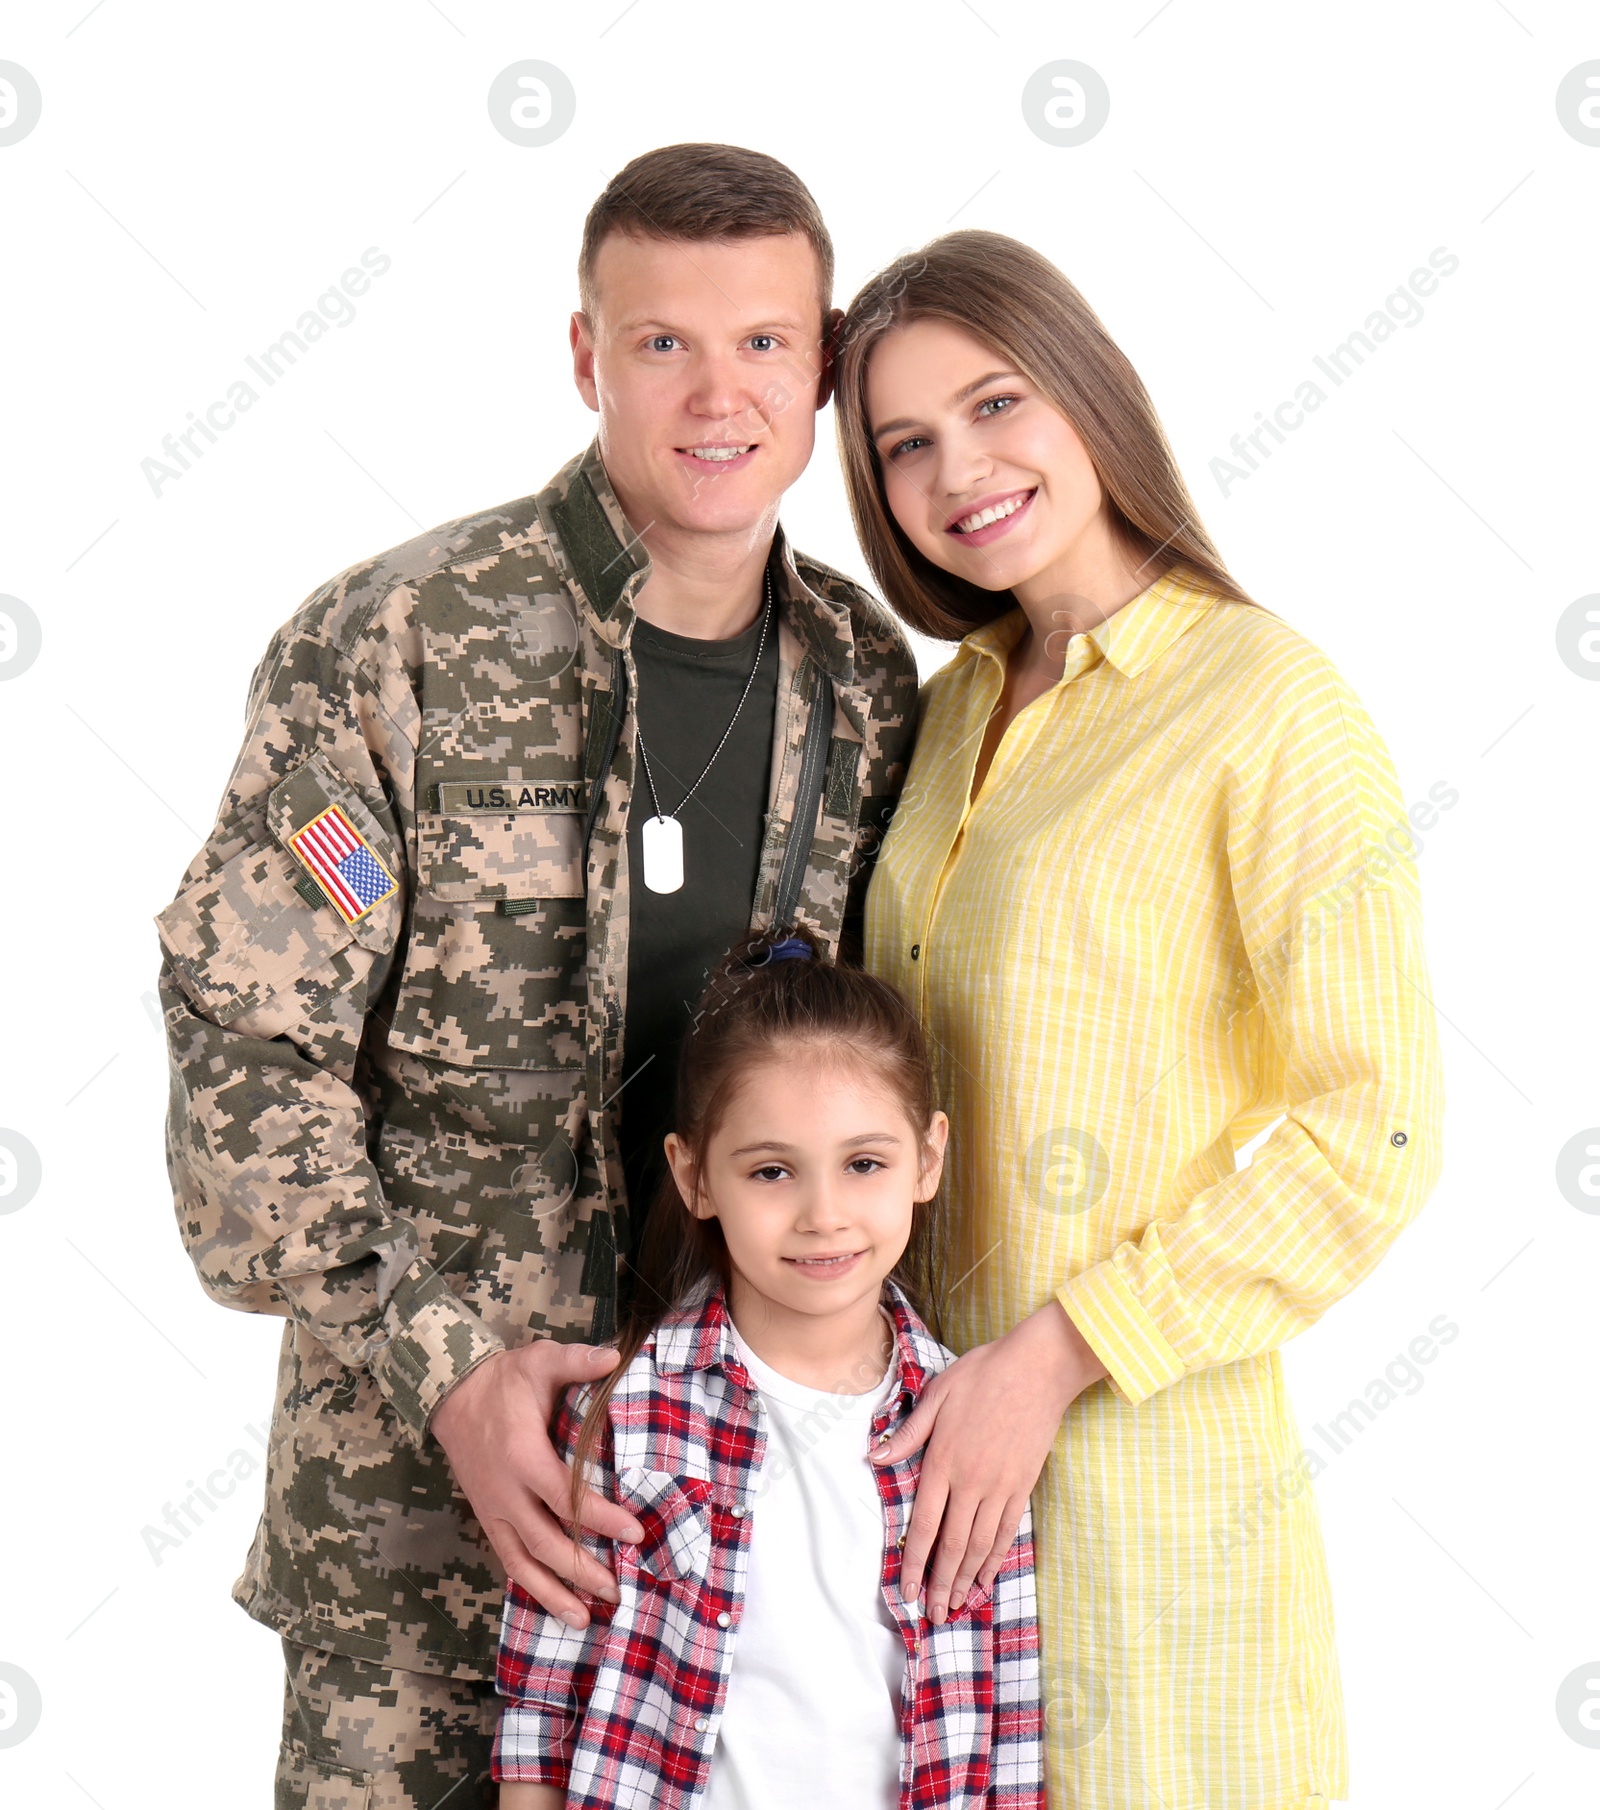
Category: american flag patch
[341,863]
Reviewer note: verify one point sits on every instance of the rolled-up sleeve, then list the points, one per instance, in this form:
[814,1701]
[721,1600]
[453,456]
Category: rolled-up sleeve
[1322,868]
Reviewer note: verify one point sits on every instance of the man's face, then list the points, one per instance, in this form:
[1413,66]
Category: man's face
[704,362]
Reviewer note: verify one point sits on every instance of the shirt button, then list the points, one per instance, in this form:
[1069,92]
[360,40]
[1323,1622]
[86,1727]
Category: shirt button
[701,1725]
[724,1620]
[1398,1140]
[916,950]
[737,1511]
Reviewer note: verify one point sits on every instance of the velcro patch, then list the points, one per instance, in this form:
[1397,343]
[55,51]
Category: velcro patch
[341,861]
[484,798]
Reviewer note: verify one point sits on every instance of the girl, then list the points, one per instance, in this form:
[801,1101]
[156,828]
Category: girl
[1149,890]
[761,1652]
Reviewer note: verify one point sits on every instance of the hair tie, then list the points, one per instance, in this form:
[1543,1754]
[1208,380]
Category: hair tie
[791,949]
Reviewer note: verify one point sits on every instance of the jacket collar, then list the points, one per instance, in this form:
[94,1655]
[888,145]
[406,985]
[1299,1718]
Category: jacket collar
[698,1336]
[1130,639]
[609,565]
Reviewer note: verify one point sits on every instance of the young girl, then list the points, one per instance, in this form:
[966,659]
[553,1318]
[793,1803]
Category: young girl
[760,1653]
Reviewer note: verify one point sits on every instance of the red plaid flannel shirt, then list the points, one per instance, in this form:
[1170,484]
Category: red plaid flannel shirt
[625,1713]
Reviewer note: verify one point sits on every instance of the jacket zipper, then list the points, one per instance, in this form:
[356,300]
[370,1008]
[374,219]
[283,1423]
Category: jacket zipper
[808,801]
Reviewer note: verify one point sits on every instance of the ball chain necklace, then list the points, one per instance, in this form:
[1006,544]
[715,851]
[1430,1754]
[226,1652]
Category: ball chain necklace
[661,838]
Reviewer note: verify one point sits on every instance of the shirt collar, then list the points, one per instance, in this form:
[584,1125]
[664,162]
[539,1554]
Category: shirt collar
[699,1336]
[609,563]
[1130,639]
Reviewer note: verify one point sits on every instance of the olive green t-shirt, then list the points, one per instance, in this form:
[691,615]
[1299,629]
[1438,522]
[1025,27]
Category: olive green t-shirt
[687,692]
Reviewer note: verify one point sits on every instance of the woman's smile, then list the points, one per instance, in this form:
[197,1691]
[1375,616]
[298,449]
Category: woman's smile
[990,517]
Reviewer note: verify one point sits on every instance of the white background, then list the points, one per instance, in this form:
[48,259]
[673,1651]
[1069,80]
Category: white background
[1268,175]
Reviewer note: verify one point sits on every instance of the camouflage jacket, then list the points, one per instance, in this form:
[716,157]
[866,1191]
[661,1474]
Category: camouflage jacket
[389,1124]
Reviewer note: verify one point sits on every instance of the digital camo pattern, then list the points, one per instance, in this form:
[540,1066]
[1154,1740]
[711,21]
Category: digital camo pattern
[387,1131]
[364,1737]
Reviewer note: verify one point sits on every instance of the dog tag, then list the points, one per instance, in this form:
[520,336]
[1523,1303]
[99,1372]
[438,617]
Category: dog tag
[662,841]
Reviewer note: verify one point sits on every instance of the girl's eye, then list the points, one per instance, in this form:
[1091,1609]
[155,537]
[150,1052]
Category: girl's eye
[863,1165]
[663,342]
[771,1172]
[995,404]
[911,443]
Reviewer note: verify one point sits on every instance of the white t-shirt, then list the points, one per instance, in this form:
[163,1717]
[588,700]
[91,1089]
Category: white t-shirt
[813,1708]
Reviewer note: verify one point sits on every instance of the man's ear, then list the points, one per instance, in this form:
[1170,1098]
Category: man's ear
[832,321]
[581,335]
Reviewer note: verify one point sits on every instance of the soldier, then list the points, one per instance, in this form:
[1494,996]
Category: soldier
[507,793]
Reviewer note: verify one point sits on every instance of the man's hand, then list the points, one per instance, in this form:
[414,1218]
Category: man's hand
[494,1426]
[989,1422]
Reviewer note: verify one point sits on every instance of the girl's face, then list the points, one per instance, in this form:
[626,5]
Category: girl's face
[987,478]
[814,1173]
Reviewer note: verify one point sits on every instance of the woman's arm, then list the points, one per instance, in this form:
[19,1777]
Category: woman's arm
[532,1797]
[1329,914]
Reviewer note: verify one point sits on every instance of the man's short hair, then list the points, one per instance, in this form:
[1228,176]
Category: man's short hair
[704,192]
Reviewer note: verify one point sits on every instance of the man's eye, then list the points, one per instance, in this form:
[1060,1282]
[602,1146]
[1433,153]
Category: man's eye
[762,342]
[663,342]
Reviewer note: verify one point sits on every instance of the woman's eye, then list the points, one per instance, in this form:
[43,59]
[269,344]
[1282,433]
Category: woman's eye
[996,405]
[913,443]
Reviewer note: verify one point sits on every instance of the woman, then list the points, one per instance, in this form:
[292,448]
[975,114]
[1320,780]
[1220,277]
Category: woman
[1149,888]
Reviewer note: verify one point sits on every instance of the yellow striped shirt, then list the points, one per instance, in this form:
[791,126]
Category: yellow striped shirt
[1183,904]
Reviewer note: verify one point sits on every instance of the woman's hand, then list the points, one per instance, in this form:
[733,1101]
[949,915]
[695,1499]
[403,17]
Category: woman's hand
[989,1422]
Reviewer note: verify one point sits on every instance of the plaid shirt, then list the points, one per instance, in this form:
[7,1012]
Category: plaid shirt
[625,1712]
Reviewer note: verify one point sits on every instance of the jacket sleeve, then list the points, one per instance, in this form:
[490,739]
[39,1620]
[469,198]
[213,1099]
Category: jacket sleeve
[545,1670]
[891,674]
[1320,857]
[267,985]
[1016,1778]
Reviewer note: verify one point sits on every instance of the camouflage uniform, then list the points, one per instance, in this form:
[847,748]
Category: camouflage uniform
[358,1736]
[398,1132]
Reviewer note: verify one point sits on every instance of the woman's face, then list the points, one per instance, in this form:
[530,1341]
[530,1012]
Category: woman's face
[986,477]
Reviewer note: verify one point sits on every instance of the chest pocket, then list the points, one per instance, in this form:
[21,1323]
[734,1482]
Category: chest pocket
[676,1522]
[493,974]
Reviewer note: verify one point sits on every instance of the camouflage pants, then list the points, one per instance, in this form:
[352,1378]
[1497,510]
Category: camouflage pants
[358,1736]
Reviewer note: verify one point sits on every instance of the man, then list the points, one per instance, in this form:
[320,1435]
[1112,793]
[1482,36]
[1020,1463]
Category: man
[507,792]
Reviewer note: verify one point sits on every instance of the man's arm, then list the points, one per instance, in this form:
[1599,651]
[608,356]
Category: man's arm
[267,989]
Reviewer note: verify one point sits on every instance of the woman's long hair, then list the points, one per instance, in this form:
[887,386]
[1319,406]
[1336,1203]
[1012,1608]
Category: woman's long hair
[1018,304]
[758,1008]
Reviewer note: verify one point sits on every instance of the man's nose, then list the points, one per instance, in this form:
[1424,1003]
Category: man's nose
[720,391]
